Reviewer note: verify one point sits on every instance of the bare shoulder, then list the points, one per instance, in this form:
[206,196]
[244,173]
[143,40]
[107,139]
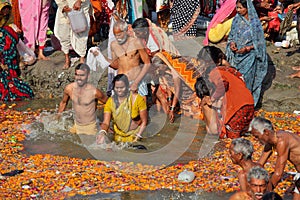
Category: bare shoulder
[285,136]
[92,88]
[240,196]
[137,42]
[113,43]
[69,88]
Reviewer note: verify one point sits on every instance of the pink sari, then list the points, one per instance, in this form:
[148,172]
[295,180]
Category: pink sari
[227,8]
[34,17]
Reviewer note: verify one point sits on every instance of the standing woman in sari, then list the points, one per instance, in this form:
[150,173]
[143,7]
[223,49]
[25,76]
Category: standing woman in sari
[34,18]
[12,88]
[246,47]
[127,110]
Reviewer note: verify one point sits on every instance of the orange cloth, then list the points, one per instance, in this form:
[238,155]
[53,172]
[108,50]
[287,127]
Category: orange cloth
[16,13]
[237,94]
[97,5]
[187,68]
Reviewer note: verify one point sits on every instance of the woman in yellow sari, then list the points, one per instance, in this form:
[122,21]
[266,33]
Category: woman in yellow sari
[127,110]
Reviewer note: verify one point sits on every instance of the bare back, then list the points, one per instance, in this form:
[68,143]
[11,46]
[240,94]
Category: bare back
[291,142]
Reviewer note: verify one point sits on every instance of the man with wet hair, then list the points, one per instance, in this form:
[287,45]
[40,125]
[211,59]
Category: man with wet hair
[284,143]
[241,151]
[257,180]
[129,57]
[84,97]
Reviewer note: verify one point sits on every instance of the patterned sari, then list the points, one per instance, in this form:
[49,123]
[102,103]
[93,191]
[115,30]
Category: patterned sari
[188,69]
[252,65]
[12,88]
[184,15]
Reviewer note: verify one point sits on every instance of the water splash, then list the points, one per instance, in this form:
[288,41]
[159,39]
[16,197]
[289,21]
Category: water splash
[51,126]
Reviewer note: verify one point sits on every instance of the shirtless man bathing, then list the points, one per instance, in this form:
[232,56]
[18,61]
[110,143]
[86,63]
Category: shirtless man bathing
[284,143]
[84,97]
[127,54]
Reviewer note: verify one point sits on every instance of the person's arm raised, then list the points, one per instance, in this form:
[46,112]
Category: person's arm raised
[265,154]
[100,96]
[114,60]
[243,180]
[282,149]
[146,60]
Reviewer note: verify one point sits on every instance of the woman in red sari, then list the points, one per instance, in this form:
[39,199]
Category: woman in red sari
[12,88]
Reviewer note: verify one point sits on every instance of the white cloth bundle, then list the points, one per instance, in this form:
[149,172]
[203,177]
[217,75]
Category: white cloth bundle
[97,61]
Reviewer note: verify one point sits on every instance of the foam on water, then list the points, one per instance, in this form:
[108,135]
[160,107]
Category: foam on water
[48,126]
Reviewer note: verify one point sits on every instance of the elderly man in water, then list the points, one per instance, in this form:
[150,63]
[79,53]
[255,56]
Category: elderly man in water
[285,144]
[257,180]
[130,58]
[241,151]
[84,97]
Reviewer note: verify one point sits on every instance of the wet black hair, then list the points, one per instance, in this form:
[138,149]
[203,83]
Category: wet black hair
[121,77]
[140,23]
[202,88]
[211,52]
[84,67]
[124,79]
[243,2]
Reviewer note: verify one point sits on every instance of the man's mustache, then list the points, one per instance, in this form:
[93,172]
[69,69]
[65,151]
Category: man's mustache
[258,194]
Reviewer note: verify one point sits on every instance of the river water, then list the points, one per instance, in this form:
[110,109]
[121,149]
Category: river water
[166,144]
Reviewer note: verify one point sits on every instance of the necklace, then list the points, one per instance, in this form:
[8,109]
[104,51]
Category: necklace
[125,50]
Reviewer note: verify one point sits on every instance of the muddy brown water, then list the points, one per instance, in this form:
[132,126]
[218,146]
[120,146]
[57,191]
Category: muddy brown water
[182,139]
[171,144]
[166,143]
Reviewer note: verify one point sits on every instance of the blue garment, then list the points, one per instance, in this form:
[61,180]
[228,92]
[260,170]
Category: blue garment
[252,65]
